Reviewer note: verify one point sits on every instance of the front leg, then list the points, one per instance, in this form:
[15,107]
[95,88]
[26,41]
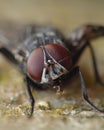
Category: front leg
[32,101]
[13,60]
[74,72]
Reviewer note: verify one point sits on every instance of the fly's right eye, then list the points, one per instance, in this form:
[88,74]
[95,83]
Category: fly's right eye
[35,64]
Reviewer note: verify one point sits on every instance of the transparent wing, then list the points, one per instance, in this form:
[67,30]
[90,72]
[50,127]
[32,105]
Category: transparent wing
[11,35]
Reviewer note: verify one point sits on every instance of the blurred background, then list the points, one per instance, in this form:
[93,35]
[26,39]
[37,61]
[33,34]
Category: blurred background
[66,15]
[63,13]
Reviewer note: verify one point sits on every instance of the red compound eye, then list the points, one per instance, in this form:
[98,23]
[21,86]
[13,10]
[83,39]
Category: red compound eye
[35,62]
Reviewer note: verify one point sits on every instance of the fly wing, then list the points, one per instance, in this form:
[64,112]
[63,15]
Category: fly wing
[11,35]
[12,39]
[22,39]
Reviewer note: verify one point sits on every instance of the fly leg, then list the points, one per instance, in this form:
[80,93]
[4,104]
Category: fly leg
[97,76]
[11,58]
[80,39]
[32,101]
[75,71]
[8,55]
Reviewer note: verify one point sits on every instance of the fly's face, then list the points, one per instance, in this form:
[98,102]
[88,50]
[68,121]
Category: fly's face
[48,63]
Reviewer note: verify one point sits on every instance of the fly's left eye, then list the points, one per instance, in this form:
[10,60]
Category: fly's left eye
[35,62]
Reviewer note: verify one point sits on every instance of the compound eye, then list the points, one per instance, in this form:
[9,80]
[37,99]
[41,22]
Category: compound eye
[35,63]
